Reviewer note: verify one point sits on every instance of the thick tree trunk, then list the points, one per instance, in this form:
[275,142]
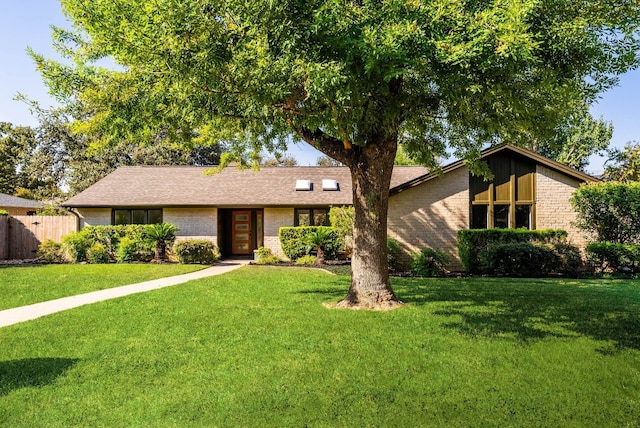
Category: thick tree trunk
[371,177]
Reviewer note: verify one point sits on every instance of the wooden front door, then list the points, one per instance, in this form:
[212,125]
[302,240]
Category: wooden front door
[241,232]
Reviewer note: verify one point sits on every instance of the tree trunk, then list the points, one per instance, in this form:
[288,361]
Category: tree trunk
[371,178]
[319,256]
[161,249]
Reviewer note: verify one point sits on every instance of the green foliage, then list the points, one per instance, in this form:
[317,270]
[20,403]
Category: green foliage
[429,262]
[134,249]
[164,232]
[609,211]
[76,245]
[200,251]
[526,259]
[307,260]
[614,257]
[341,219]
[266,256]
[472,241]
[52,210]
[318,240]
[394,255]
[293,241]
[51,251]
[4,212]
[97,253]
[623,165]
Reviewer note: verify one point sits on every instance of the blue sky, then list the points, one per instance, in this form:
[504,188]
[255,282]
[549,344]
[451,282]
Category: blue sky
[27,23]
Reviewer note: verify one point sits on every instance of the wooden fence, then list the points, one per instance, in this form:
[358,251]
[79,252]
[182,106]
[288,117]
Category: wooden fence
[21,235]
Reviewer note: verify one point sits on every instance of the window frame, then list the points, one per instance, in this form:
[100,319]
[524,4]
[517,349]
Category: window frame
[296,216]
[130,215]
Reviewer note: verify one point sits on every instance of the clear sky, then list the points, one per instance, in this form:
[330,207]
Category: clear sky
[27,23]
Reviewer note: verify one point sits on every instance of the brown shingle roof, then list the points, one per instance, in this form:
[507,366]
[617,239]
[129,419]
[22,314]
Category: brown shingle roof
[9,201]
[189,186]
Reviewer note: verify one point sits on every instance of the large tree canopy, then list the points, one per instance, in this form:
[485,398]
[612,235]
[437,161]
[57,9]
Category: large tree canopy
[352,78]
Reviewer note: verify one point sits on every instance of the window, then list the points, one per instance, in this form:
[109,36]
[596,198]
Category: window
[136,216]
[501,216]
[523,216]
[311,217]
[479,219]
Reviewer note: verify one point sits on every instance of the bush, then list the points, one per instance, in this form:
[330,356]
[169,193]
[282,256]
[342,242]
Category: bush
[293,241]
[266,257]
[135,249]
[529,259]
[307,260]
[428,262]
[614,257]
[472,241]
[609,211]
[97,253]
[75,246]
[51,252]
[341,219]
[394,255]
[4,212]
[199,251]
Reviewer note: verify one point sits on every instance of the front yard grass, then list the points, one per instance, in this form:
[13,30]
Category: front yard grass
[24,285]
[257,348]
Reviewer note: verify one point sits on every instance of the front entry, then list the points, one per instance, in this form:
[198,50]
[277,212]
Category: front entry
[241,232]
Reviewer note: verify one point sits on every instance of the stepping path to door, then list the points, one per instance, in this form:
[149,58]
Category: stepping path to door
[37,310]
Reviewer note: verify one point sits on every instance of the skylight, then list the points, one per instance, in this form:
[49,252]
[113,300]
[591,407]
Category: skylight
[328,184]
[303,185]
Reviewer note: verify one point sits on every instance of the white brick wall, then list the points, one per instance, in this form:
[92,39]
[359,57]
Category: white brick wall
[430,214]
[274,218]
[196,223]
[95,216]
[553,209]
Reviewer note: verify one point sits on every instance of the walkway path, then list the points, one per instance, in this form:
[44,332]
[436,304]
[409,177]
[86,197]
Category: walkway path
[37,310]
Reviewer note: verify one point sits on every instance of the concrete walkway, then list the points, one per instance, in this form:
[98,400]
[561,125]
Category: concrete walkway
[37,310]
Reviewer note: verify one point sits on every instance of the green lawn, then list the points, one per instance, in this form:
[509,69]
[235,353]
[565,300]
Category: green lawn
[24,285]
[257,348]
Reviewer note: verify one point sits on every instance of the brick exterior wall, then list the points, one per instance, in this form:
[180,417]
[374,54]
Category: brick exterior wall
[274,218]
[430,214]
[94,217]
[194,223]
[553,209]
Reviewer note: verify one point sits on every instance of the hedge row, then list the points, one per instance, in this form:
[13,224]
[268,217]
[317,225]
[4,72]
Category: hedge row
[294,246]
[472,241]
[613,257]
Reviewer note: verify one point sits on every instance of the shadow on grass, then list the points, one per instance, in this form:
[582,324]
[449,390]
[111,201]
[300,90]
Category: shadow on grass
[529,309]
[16,374]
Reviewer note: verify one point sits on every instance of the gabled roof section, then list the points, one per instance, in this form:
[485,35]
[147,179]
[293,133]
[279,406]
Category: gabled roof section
[535,157]
[171,186]
[16,202]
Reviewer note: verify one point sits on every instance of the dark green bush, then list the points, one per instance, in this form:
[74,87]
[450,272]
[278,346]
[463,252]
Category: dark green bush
[293,241]
[529,259]
[394,255]
[429,262]
[472,241]
[614,257]
[97,253]
[196,251]
[51,252]
[75,246]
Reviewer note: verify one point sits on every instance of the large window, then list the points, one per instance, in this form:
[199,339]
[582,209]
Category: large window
[507,201]
[136,216]
[311,217]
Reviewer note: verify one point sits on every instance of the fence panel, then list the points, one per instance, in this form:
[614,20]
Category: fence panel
[4,237]
[26,233]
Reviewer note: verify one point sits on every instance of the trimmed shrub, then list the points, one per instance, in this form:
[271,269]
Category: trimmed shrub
[609,211]
[51,252]
[614,257]
[529,259]
[97,254]
[196,251]
[429,262]
[135,249]
[294,241]
[307,260]
[394,255]
[472,241]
